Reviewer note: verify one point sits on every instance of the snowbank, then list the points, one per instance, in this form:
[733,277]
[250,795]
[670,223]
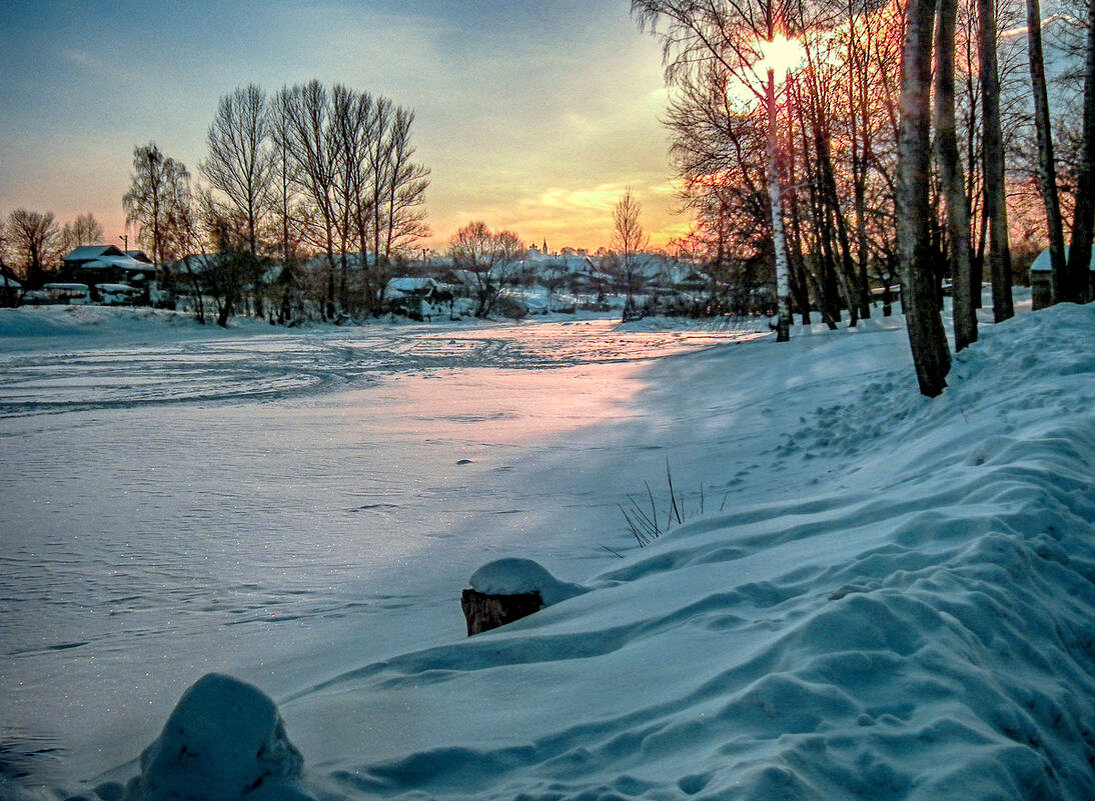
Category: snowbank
[896,601]
[913,624]
[30,326]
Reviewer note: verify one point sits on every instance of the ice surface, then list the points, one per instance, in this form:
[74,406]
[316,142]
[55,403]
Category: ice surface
[873,596]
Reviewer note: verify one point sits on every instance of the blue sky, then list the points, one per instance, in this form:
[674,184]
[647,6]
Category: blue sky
[532,115]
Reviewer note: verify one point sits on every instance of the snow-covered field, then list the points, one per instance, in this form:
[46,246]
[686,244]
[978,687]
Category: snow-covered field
[873,595]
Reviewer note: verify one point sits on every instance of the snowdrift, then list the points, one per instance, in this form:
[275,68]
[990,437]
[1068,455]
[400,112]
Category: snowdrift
[919,625]
[913,617]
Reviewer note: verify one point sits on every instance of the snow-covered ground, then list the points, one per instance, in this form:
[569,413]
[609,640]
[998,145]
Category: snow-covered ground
[872,596]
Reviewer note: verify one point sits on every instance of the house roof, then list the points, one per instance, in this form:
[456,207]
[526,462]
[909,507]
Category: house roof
[89,252]
[1044,263]
[103,257]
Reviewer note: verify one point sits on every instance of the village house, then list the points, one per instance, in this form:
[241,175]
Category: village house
[106,264]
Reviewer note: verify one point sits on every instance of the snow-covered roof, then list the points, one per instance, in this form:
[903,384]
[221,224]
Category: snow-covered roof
[65,287]
[408,285]
[104,257]
[89,252]
[1044,264]
[115,288]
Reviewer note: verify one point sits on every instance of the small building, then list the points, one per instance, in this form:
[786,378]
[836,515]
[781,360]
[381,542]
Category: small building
[1043,291]
[105,264]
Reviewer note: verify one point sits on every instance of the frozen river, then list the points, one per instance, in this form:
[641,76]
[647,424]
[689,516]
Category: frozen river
[262,503]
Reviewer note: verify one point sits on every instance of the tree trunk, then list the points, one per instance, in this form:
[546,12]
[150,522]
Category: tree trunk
[799,288]
[484,612]
[1074,286]
[954,181]
[993,155]
[1047,171]
[927,340]
[779,244]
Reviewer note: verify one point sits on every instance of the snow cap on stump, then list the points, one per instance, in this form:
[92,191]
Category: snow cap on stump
[509,589]
[224,741]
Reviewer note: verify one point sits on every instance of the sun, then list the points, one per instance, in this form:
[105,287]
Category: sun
[779,54]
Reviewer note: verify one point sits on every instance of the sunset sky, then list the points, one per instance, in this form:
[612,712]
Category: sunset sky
[533,115]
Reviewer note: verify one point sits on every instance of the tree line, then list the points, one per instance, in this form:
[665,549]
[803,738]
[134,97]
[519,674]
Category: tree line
[307,170]
[33,242]
[914,145]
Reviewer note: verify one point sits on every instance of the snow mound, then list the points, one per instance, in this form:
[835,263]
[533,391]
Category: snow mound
[225,741]
[514,576]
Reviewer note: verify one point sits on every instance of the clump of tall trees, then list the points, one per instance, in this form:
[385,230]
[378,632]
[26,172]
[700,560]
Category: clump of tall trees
[911,146]
[303,202]
[32,243]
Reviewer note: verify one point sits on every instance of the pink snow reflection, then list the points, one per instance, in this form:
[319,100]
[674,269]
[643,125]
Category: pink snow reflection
[500,406]
[568,375]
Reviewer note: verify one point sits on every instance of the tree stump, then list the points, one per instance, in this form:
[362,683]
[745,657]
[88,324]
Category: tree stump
[485,612]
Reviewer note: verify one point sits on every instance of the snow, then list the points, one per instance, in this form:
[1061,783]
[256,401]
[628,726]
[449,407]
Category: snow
[871,596]
[516,576]
[224,740]
[1043,263]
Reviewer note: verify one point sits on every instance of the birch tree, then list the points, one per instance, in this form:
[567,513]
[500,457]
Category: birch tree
[952,177]
[732,36]
[931,357]
[1047,169]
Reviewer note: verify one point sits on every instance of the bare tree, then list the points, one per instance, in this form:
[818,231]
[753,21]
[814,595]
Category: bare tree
[289,209]
[84,230]
[629,238]
[1074,286]
[405,217]
[1047,169]
[240,163]
[489,257]
[952,176]
[351,133]
[999,254]
[351,156]
[35,243]
[380,167]
[931,357]
[304,126]
[157,185]
[731,36]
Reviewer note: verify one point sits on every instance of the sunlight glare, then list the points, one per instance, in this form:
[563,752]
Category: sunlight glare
[781,55]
